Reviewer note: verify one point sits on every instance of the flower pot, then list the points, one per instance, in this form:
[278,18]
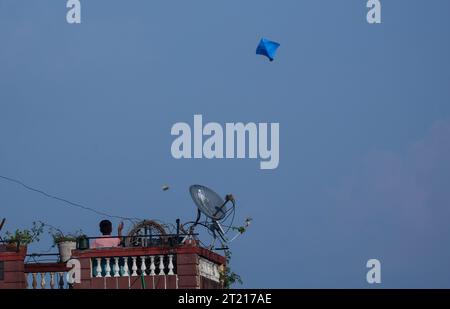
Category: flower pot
[65,250]
[82,243]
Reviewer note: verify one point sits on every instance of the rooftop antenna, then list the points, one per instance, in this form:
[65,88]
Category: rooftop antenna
[2,223]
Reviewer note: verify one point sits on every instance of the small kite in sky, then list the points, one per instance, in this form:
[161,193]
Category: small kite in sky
[165,187]
[267,48]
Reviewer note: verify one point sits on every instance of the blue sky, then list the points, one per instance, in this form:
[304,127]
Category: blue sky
[86,112]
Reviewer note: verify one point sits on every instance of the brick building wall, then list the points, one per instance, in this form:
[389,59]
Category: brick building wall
[12,267]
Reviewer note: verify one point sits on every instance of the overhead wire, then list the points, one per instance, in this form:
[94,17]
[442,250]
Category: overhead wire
[51,196]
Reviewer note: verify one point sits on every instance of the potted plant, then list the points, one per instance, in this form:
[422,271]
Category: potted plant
[20,239]
[82,242]
[66,242]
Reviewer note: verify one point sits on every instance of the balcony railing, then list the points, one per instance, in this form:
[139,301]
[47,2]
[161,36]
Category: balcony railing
[46,276]
[140,265]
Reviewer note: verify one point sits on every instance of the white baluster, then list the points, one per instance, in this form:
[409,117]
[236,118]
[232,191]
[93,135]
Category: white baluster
[134,267]
[171,265]
[52,280]
[42,280]
[61,280]
[125,267]
[143,267]
[161,265]
[99,268]
[108,268]
[116,267]
[34,282]
[152,266]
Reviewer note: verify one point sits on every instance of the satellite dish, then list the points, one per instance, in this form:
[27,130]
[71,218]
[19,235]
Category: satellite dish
[214,207]
[208,202]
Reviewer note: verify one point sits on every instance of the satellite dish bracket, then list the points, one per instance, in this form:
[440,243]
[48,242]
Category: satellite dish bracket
[219,209]
[199,214]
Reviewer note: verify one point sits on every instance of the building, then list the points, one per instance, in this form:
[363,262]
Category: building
[181,266]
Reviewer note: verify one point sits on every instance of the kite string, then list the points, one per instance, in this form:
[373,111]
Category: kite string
[132,220]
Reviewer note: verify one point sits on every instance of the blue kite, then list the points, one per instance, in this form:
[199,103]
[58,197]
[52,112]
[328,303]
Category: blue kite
[267,48]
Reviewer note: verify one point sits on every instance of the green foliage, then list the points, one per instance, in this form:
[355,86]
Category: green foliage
[227,276]
[243,229]
[59,236]
[240,229]
[26,236]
